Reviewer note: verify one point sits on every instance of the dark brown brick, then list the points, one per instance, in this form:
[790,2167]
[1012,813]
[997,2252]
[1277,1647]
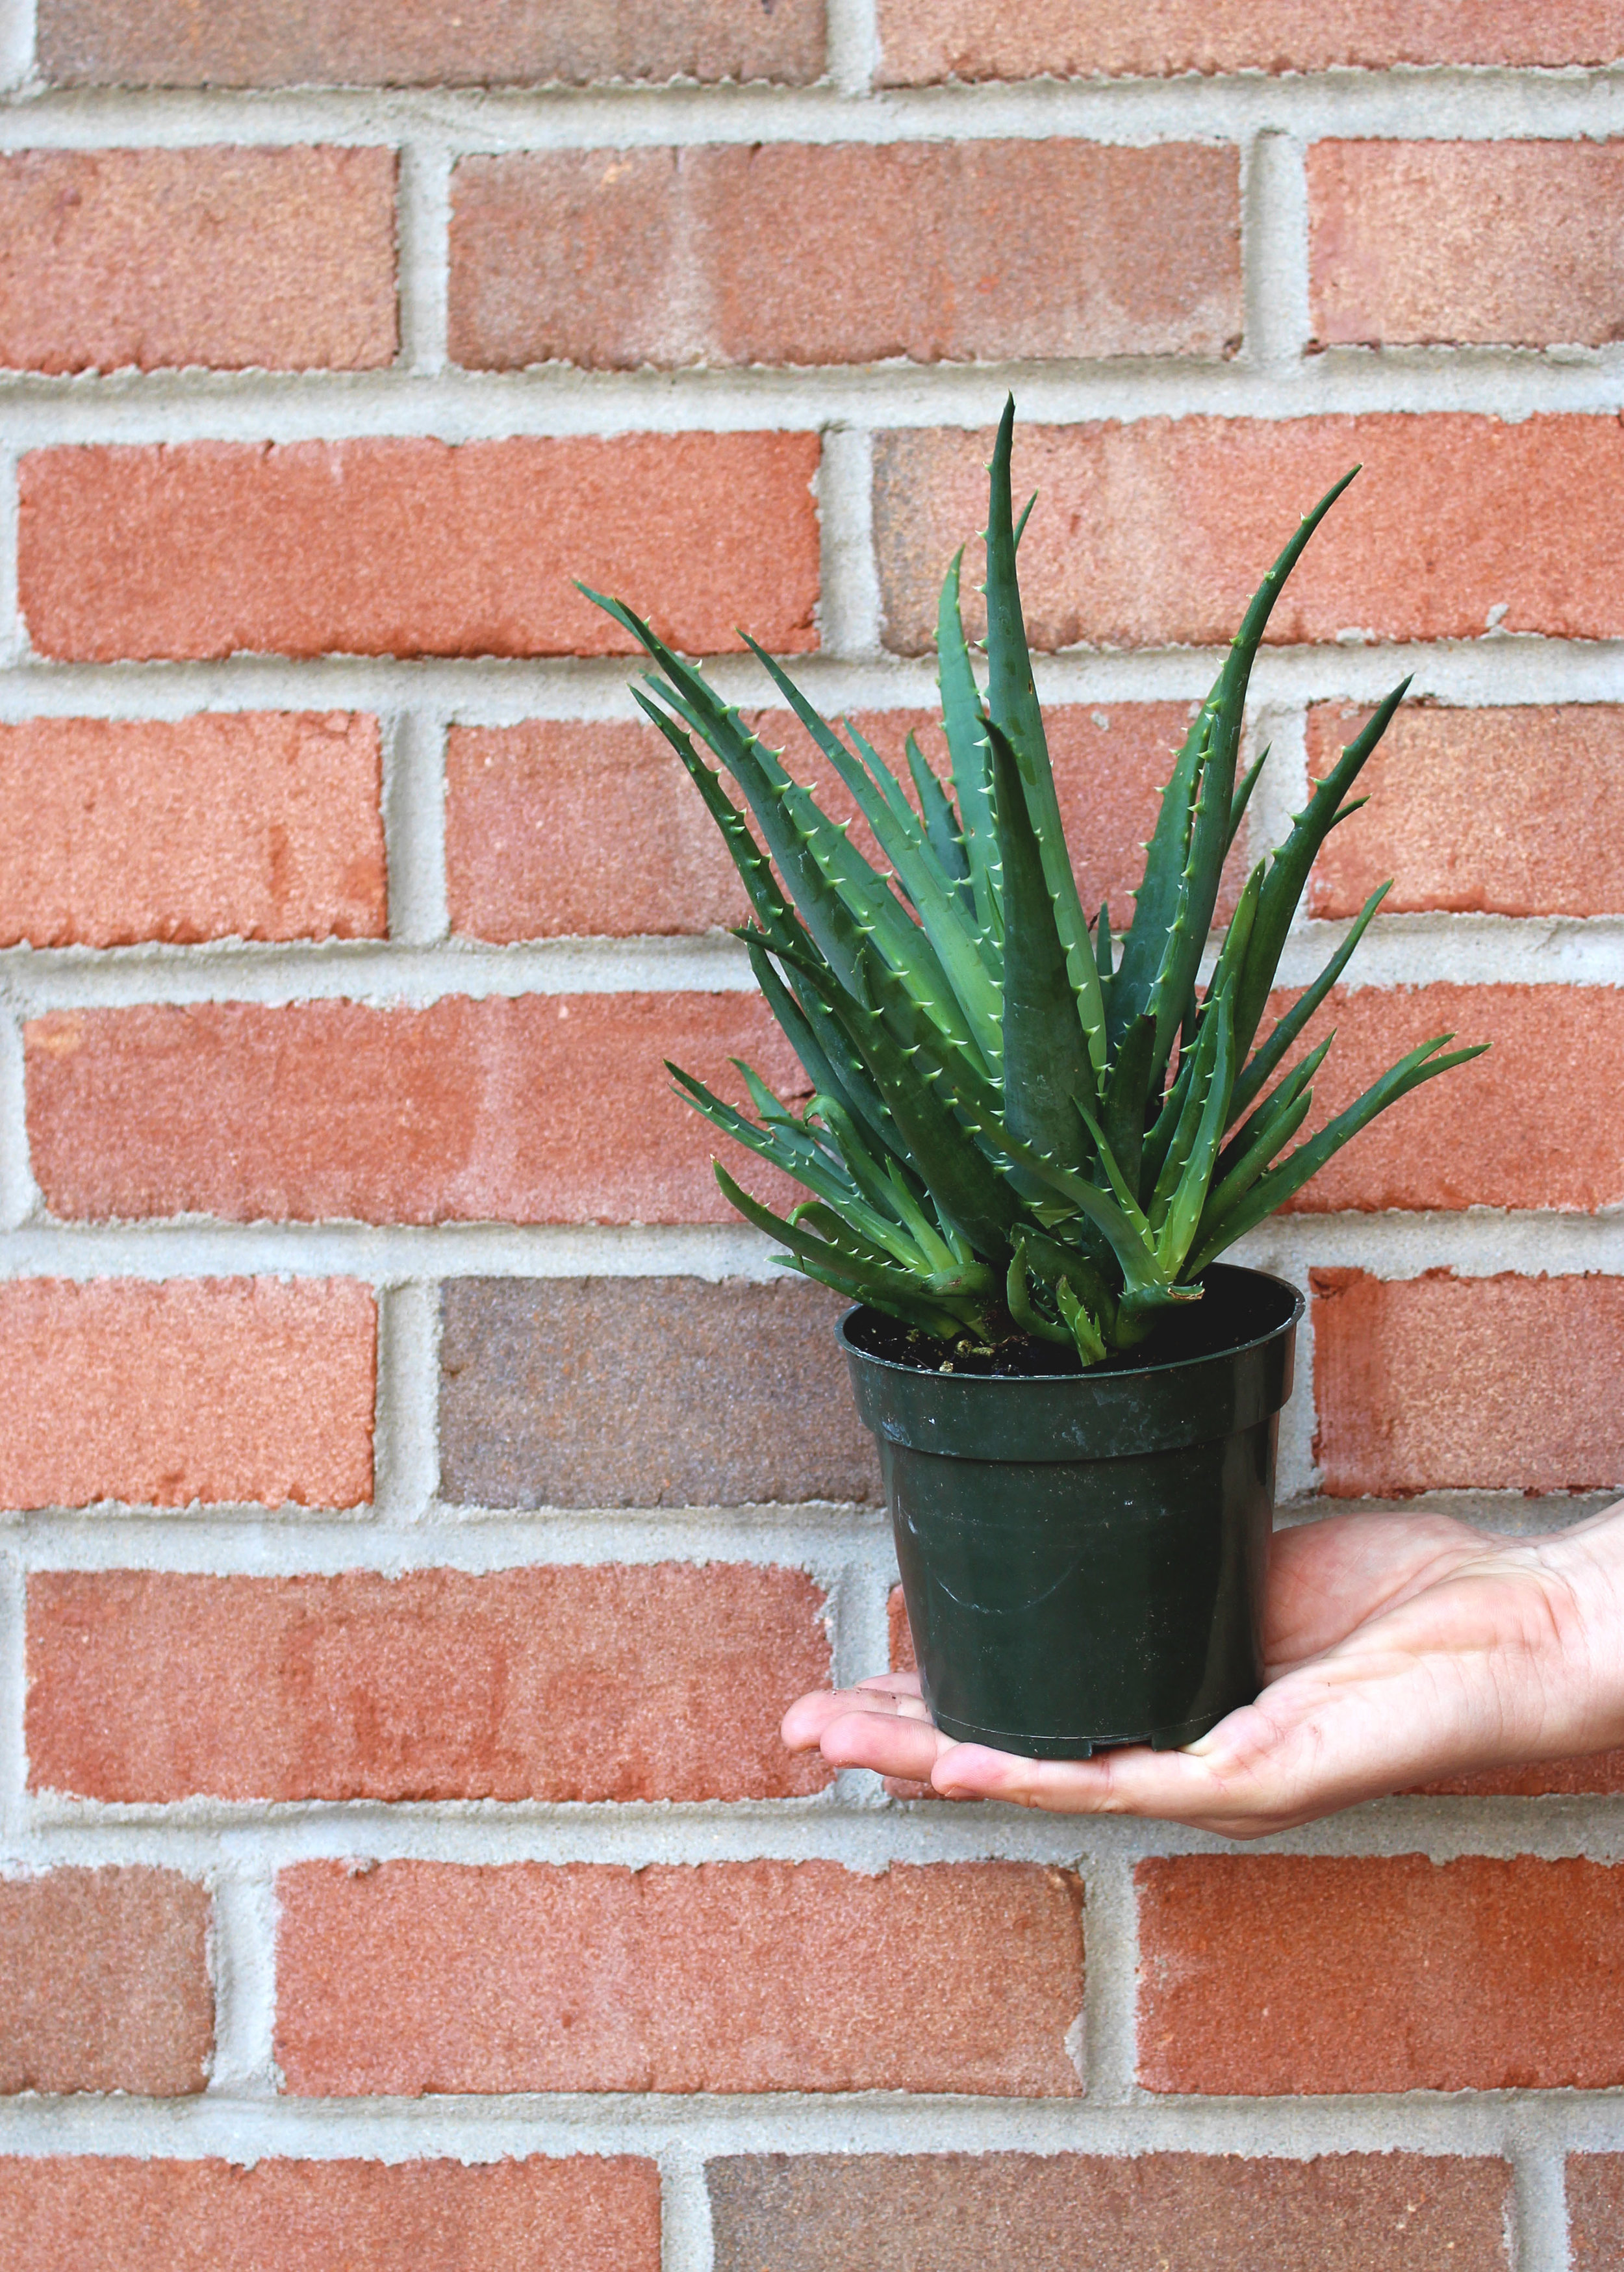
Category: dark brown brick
[409,43]
[1032,2212]
[104,1983]
[1595,2212]
[645,1392]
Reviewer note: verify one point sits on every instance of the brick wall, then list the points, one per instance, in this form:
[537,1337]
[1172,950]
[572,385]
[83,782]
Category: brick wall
[424,1499]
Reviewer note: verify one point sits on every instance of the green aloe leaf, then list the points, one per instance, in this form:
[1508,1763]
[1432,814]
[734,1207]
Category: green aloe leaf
[965,729]
[941,828]
[1288,873]
[1282,1182]
[1184,1216]
[1213,743]
[1282,1038]
[1127,1089]
[1046,1062]
[1012,705]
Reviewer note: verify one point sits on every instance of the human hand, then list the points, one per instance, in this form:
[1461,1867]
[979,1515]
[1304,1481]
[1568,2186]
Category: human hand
[1397,1648]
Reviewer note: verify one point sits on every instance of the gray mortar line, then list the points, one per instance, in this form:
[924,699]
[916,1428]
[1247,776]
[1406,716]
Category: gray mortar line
[1397,950]
[1429,103]
[54,1830]
[701,2125]
[405,1449]
[849,602]
[414,807]
[560,403]
[854,45]
[17,45]
[13,1686]
[1539,2203]
[1274,238]
[242,1964]
[1495,670]
[422,220]
[19,1198]
[1476,1242]
[685,2238]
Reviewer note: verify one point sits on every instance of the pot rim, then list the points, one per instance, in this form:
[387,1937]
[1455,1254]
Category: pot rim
[983,1380]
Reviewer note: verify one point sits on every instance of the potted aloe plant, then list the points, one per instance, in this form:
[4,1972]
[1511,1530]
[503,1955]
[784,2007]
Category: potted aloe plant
[1027,1143]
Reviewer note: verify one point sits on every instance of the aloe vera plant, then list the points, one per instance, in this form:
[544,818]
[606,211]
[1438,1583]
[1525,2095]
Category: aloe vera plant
[1019,1123]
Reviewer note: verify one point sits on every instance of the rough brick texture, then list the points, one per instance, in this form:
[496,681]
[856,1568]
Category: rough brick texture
[400,43]
[660,1681]
[1418,241]
[832,253]
[1262,1975]
[1158,532]
[1532,1124]
[594,2214]
[1438,1382]
[1513,812]
[284,259]
[414,547]
[647,1392]
[255,824]
[554,828]
[413,1976]
[542,1109]
[1030,39]
[1176,2212]
[244,1390]
[103,1984]
[1596,2212]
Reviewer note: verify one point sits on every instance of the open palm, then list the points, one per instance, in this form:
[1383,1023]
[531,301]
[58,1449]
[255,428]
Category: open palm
[1399,1649]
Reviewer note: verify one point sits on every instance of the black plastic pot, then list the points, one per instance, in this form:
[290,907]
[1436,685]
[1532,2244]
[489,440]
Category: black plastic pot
[1083,1555]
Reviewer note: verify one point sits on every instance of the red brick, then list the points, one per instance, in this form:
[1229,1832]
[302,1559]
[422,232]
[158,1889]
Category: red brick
[1158,533]
[1514,811]
[556,828]
[104,1983]
[658,1682]
[401,43]
[256,826]
[245,1390]
[402,1978]
[845,253]
[1185,2212]
[542,1109]
[1600,1774]
[1514,242]
[595,2214]
[279,259]
[1439,1383]
[413,546]
[1000,39]
[1596,2212]
[1532,1124]
[1262,1975]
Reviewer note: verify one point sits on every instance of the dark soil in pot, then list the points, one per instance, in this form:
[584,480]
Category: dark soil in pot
[1083,1553]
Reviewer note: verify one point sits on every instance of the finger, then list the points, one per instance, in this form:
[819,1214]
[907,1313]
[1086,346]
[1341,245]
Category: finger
[893,1684]
[803,1724]
[890,1746]
[1193,1786]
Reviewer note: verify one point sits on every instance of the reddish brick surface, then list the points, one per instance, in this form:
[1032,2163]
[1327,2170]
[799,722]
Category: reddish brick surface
[416,547]
[1532,1124]
[1596,2212]
[1438,1382]
[594,2214]
[1261,1975]
[556,828]
[660,1681]
[845,252]
[224,1389]
[257,824]
[1158,532]
[103,1984]
[1601,1775]
[401,43]
[1028,39]
[409,1976]
[1519,242]
[647,1392]
[1513,812]
[542,1109]
[283,259]
[1184,2212]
